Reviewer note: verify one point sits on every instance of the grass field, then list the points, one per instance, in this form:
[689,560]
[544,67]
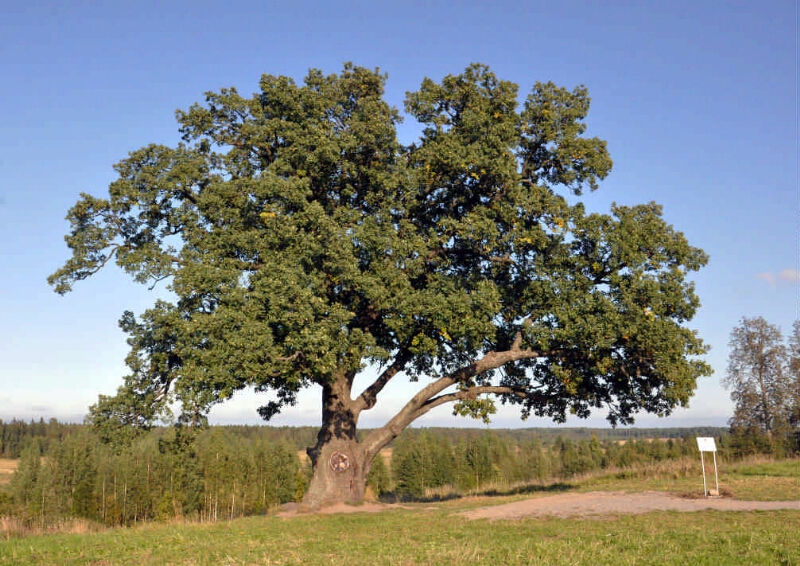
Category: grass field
[434,533]
[756,479]
[432,537]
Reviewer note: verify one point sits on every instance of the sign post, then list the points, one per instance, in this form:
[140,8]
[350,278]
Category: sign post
[706,444]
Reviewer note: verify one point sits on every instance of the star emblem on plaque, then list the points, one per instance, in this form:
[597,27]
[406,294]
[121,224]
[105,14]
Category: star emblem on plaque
[339,462]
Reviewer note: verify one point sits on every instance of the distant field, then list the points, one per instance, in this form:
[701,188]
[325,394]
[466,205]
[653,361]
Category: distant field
[434,533]
[7,468]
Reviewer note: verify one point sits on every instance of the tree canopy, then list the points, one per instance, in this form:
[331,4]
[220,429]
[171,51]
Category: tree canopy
[302,243]
[763,376]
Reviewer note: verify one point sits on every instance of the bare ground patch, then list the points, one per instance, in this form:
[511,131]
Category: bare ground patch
[596,504]
[604,503]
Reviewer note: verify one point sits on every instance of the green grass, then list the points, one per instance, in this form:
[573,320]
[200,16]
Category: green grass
[434,533]
[756,480]
[781,468]
[765,481]
[419,536]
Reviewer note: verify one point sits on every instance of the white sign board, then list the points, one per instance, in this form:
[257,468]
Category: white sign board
[706,444]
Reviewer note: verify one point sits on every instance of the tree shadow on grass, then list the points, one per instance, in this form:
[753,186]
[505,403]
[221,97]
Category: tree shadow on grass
[558,487]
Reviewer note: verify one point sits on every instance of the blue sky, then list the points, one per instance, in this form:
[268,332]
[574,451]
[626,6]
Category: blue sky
[697,99]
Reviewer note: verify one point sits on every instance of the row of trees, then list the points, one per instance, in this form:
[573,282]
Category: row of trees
[423,460]
[226,472]
[210,475]
[763,376]
[550,435]
[16,434]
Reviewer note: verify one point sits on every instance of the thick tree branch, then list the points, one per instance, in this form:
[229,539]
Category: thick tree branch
[369,396]
[414,408]
[517,343]
[293,357]
[471,393]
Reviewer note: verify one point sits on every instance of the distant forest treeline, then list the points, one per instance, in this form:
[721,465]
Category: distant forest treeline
[16,433]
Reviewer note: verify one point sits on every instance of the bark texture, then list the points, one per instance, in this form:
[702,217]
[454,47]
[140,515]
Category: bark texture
[340,474]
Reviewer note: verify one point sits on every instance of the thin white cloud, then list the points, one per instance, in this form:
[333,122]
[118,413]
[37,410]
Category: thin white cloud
[768,277]
[791,275]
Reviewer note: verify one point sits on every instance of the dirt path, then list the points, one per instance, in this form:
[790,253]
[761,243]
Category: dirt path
[593,504]
[603,503]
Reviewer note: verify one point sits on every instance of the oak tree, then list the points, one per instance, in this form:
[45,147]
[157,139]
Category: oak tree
[303,244]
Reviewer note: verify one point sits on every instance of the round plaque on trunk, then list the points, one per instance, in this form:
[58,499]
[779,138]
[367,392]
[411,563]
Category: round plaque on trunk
[339,462]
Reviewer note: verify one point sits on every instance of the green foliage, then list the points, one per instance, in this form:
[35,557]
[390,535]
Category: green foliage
[302,241]
[379,478]
[740,443]
[535,461]
[15,435]
[482,460]
[578,459]
[165,474]
[485,459]
[7,507]
[421,461]
[25,485]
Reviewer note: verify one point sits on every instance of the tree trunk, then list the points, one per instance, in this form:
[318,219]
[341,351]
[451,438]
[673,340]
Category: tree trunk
[340,463]
[340,474]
